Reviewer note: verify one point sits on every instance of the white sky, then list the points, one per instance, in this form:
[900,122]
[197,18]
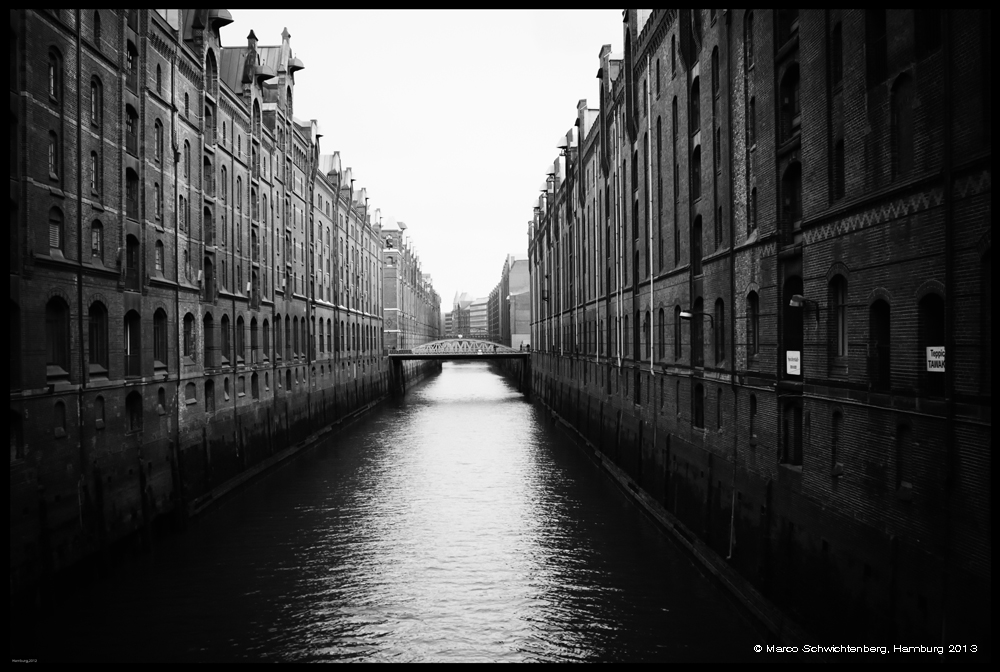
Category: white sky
[448,118]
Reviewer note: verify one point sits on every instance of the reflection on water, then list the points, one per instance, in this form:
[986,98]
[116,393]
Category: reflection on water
[453,525]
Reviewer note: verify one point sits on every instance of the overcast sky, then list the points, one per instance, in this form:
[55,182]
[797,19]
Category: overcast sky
[448,118]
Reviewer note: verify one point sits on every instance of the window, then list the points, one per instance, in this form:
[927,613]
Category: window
[187,161]
[208,327]
[791,195]
[133,344]
[267,340]
[96,102]
[752,124]
[661,336]
[839,177]
[225,339]
[160,338]
[696,246]
[836,56]
[719,326]
[698,406]
[673,55]
[157,141]
[790,103]
[54,156]
[879,367]
[792,434]
[131,194]
[159,79]
[97,240]
[749,40]
[695,120]
[838,317]
[157,201]
[133,412]
[55,76]
[97,328]
[209,396]
[875,46]
[131,130]
[240,342]
[696,173]
[752,220]
[55,229]
[931,337]
[131,66]
[677,332]
[901,126]
[189,336]
[753,324]
[97,30]
[753,419]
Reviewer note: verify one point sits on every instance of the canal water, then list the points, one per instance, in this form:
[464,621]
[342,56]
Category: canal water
[455,524]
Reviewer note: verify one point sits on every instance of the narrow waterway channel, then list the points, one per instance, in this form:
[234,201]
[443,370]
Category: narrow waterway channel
[455,524]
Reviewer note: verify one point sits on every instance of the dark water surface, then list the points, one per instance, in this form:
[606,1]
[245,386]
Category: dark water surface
[452,525]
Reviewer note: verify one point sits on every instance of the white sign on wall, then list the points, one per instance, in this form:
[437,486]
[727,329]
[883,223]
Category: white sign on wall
[793,362]
[935,359]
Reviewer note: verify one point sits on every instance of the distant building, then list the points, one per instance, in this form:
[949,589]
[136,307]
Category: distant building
[412,309]
[510,304]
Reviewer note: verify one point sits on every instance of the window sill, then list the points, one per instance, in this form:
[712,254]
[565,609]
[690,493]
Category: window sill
[188,402]
[99,424]
[60,432]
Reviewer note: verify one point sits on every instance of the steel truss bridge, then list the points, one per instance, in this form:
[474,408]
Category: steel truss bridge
[458,349]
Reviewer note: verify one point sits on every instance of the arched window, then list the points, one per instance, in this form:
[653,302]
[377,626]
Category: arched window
[96,102]
[97,329]
[695,120]
[647,337]
[677,332]
[208,335]
[836,56]
[753,324]
[790,104]
[131,130]
[791,196]
[266,345]
[224,327]
[838,318]
[240,343]
[55,76]
[133,413]
[879,331]
[696,173]
[719,327]
[160,338]
[157,141]
[931,341]
[133,344]
[187,161]
[901,122]
[288,337]
[696,246]
[189,336]
[295,336]
[661,336]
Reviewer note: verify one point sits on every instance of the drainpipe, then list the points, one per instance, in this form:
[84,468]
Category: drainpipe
[949,319]
[649,218]
[79,273]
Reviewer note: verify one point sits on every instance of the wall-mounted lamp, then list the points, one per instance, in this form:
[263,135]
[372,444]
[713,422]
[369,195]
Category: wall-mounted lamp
[799,301]
[687,315]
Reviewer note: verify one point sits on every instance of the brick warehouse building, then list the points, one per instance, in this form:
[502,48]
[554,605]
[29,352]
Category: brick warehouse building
[746,265]
[194,287]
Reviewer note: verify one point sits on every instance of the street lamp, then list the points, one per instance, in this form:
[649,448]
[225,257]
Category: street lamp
[686,315]
[799,301]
